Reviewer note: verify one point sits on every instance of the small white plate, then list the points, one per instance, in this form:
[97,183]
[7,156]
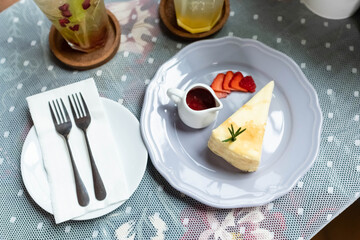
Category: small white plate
[181,155]
[126,130]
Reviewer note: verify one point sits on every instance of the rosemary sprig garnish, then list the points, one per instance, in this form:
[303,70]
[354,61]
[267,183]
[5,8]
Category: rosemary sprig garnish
[234,134]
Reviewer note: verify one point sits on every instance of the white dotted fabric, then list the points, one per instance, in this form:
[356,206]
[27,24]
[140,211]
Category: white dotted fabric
[327,51]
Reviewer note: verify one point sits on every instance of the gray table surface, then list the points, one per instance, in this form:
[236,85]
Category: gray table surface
[327,52]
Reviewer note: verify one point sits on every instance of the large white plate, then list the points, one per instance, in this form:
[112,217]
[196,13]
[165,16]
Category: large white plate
[181,155]
[127,135]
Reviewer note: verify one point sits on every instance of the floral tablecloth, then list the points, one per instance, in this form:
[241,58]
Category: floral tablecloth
[327,51]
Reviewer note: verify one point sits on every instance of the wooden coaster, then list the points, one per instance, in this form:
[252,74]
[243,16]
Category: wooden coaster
[167,15]
[80,60]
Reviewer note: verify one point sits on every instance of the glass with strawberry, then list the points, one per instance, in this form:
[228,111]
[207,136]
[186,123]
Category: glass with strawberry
[82,23]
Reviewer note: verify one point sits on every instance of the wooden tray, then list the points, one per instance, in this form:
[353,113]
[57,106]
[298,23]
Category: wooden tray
[80,60]
[168,17]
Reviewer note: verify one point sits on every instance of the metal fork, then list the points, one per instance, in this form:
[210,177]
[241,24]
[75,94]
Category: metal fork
[63,126]
[82,120]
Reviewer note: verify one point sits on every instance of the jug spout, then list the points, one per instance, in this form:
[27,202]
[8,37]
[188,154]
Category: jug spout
[218,104]
[215,109]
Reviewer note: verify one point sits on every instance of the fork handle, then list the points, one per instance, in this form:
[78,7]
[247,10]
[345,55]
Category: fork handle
[81,192]
[100,191]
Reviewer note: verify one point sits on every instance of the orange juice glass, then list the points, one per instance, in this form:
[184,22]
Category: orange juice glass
[82,23]
[197,16]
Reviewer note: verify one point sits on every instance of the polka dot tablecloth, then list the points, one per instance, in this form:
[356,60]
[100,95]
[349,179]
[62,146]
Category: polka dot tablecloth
[327,51]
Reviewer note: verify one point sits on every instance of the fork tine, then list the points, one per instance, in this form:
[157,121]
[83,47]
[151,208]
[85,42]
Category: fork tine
[81,108]
[84,104]
[52,114]
[72,108]
[65,111]
[60,111]
[56,112]
[76,106]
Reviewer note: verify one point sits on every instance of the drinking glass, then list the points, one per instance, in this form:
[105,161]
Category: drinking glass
[198,16]
[82,23]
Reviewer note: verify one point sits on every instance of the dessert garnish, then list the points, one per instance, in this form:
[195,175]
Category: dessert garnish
[224,84]
[234,134]
[217,84]
[235,82]
[248,83]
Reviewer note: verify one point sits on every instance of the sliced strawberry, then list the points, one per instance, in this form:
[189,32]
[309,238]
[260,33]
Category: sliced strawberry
[64,7]
[221,94]
[235,82]
[75,27]
[86,4]
[217,83]
[66,13]
[226,83]
[248,83]
[63,22]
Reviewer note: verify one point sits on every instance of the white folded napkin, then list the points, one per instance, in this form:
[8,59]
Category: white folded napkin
[56,156]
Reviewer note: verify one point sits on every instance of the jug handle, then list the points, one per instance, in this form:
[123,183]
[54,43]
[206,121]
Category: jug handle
[175,94]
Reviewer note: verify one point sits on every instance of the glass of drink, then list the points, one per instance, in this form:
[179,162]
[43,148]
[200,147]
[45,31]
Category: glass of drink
[82,23]
[198,16]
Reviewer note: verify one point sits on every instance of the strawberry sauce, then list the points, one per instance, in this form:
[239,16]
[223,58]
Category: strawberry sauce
[200,99]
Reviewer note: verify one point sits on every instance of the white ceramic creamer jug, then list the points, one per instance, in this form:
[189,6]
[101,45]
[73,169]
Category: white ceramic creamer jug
[198,106]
